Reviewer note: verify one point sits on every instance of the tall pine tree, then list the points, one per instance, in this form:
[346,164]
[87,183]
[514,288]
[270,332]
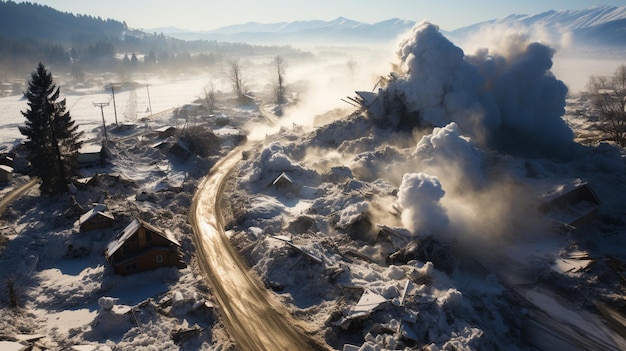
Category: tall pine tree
[52,138]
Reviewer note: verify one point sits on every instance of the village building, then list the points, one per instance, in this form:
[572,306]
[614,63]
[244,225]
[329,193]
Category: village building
[97,218]
[179,149]
[6,173]
[571,204]
[6,160]
[166,131]
[90,155]
[283,181]
[125,127]
[141,246]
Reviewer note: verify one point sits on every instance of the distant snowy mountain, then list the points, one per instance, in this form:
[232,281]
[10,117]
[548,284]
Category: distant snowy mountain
[339,30]
[595,26]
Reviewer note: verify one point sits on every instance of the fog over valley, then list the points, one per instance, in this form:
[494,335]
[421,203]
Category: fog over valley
[313,184]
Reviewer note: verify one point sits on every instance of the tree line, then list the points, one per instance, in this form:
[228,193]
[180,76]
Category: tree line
[32,33]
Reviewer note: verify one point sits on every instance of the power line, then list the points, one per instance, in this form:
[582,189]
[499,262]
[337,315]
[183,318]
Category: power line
[104,127]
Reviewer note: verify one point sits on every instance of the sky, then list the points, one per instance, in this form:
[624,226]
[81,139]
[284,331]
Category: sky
[210,14]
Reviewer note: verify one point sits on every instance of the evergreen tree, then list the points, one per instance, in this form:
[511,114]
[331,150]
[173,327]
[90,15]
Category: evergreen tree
[52,138]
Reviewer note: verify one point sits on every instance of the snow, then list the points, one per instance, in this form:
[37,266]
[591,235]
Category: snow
[460,200]
[75,300]
[478,191]
[368,302]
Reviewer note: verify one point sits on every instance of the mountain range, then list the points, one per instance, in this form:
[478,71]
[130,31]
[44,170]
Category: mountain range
[339,30]
[595,26]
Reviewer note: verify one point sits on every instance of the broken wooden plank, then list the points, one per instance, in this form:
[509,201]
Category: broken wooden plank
[358,255]
[407,284]
[300,249]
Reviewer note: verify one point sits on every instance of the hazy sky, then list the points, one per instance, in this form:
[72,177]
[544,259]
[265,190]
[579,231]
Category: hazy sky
[211,14]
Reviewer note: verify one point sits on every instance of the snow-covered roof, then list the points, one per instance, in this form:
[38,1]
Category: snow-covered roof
[164,129]
[563,188]
[98,209]
[131,229]
[282,178]
[90,148]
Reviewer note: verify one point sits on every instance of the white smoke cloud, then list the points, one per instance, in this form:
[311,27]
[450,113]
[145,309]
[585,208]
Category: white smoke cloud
[510,102]
[419,196]
[446,153]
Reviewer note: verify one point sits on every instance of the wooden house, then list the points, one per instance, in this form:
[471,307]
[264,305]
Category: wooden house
[6,173]
[141,246]
[6,160]
[90,155]
[573,204]
[97,218]
[283,181]
[179,149]
[165,132]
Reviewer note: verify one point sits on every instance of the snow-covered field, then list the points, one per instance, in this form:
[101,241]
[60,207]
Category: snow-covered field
[69,297]
[376,238]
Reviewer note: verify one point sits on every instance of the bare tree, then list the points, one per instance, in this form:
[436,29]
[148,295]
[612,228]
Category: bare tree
[279,88]
[351,64]
[608,95]
[209,97]
[236,79]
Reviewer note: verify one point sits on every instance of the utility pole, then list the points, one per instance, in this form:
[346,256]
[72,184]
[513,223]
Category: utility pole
[114,108]
[149,103]
[104,127]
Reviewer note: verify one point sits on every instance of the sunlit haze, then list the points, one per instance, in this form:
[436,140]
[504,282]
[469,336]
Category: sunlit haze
[207,15]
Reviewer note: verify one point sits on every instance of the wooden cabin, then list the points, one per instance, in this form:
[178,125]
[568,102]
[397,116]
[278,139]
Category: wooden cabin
[90,155]
[6,173]
[165,132]
[283,181]
[97,218]
[141,246]
[573,204]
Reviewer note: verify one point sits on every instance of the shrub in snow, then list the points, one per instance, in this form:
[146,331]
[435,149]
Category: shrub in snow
[107,303]
[182,304]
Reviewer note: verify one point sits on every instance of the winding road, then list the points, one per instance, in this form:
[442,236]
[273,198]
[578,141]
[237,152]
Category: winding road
[253,319]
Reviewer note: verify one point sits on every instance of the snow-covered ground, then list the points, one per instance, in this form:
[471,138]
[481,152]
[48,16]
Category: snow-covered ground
[377,238]
[67,293]
[390,240]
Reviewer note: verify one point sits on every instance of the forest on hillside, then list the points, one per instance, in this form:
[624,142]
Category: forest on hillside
[32,33]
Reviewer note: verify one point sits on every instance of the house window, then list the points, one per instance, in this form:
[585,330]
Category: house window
[148,236]
[159,258]
[130,267]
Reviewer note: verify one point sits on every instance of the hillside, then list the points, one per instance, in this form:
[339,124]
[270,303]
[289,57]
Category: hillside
[29,20]
[32,33]
[599,26]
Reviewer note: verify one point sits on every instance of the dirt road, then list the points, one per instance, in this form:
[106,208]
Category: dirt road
[15,193]
[253,319]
